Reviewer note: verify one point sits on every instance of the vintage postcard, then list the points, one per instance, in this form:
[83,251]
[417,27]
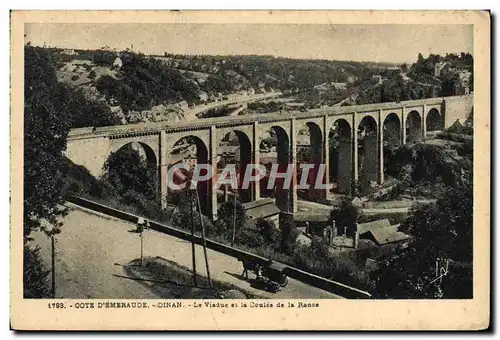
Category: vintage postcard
[236,170]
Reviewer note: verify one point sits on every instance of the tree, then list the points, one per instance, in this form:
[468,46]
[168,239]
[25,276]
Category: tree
[89,113]
[187,211]
[45,133]
[289,235]
[345,215]
[440,231]
[226,221]
[103,57]
[450,81]
[271,234]
[130,174]
[35,275]
[420,58]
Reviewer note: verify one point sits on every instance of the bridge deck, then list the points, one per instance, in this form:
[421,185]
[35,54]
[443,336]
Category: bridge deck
[237,120]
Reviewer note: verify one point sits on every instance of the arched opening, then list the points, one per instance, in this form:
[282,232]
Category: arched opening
[367,153]
[434,121]
[144,151]
[413,127]
[133,173]
[235,149]
[309,151]
[392,138]
[392,130]
[340,156]
[275,149]
[190,150]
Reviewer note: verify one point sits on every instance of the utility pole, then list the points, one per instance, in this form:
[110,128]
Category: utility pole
[234,220]
[204,239]
[142,224]
[53,266]
[193,247]
[142,257]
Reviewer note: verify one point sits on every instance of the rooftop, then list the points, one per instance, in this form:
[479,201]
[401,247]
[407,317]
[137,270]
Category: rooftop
[374,225]
[261,209]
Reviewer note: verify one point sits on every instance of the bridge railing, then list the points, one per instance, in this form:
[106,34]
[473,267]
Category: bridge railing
[306,277]
[206,122]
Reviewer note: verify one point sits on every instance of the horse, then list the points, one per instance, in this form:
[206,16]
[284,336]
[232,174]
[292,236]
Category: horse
[249,265]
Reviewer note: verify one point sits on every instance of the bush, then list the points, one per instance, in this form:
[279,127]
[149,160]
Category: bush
[145,206]
[92,74]
[79,181]
[75,77]
[289,235]
[103,58]
[317,259]
[36,284]
[250,236]
[423,162]
[224,224]
[460,136]
[271,234]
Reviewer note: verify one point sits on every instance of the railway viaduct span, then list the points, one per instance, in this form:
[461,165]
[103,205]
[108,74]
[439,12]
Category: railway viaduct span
[371,125]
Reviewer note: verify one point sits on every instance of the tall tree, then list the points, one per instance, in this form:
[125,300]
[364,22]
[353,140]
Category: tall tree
[45,131]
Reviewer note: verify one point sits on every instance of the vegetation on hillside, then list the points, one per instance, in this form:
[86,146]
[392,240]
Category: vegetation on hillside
[35,276]
[50,110]
[145,82]
[420,81]
[140,82]
[276,72]
[442,232]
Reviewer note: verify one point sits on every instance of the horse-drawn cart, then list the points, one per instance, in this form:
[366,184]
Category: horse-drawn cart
[271,275]
[275,277]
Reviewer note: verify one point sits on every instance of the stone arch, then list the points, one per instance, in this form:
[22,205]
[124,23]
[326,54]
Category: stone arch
[413,126]
[315,142]
[144,149]
[368,152]
[182,151]
[148,157]
[392,138]
[183,144]
[392,130]
[309,151]
[279,150]
[235,148]
[340,155]
[434,120]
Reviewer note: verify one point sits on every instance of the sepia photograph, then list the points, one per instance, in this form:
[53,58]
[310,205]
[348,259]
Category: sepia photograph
[233,165]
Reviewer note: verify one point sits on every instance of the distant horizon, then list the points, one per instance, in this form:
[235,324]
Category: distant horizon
[389,44]
[229,55]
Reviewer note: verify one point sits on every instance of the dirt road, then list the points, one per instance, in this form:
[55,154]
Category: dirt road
[191,114]
[92,249]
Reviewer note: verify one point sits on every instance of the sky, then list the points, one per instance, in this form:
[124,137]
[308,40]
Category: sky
[379,43]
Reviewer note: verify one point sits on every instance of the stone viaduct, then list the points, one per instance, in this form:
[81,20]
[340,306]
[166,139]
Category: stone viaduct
[378,124]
